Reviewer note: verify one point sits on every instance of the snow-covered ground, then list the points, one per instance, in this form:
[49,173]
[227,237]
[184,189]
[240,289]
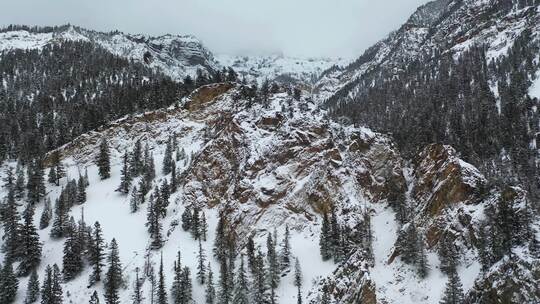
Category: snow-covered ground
[534,90]
[112,210]
[398,282]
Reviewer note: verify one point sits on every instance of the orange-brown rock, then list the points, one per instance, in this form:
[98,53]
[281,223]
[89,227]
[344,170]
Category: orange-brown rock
[442,179]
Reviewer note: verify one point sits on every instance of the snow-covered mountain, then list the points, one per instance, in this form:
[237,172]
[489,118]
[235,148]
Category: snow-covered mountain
[175,56]
[368,221]
[442,26]
[279,68]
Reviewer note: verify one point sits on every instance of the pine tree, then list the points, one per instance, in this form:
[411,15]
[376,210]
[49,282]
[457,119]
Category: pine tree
[210,290]
[86,179]
[84,235]
[46,215]
[113,277]
[448,255]
[60,172]
[52,176]
[10,223]
[195,224]
[167,158]
[96,254]
[165,194]
[143,190]
[125,178]
[153,282]
[336,238]
[408,243]
[51,291]
[201,267]
[103,160]
[187,288]
[72,260]
[182,288]
[137,289]
[367,237]
[231,257]
[422,263]
[30,247]
[81,190]
[186,218]
[136,163]
[177,281]
[57,171]
[162,293]
[453,294]
[298,280]
[250,249]
[149,171]
[8,284]
[60,222]
[203,227]
[32,289]
[220,242]
[241,287]
[94,298]
[19,182]
[273,265]
[134,201]
[285,253]
[36,182]
[259,284]
[46,291]
[154,225]
[534,245]
[224,286]
[56,288]
[9,179]
[174,182]
[325,239]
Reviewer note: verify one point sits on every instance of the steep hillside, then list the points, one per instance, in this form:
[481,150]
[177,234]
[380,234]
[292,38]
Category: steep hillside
[261,169]
[408,176]
[471,62]
[438,26]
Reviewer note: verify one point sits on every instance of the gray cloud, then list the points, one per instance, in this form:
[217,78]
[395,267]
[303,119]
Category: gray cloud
[294,27]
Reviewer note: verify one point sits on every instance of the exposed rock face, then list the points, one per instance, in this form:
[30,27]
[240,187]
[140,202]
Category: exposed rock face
[259,158]
[442,180]
[501,285]
[265,168]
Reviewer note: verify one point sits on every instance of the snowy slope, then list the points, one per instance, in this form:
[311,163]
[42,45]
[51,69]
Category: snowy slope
[112,209]
[266,167]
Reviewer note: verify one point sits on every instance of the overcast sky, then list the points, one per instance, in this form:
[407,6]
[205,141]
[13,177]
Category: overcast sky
[294,27]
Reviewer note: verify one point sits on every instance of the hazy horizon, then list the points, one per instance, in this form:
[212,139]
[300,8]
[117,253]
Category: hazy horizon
[343,28]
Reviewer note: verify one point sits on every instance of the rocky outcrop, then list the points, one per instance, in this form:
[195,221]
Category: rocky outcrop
[442,179]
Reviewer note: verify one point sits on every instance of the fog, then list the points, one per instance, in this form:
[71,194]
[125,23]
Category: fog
[293,27]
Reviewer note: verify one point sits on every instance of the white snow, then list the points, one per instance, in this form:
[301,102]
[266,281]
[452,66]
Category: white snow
[260,68]
[534,90]
[398,282]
